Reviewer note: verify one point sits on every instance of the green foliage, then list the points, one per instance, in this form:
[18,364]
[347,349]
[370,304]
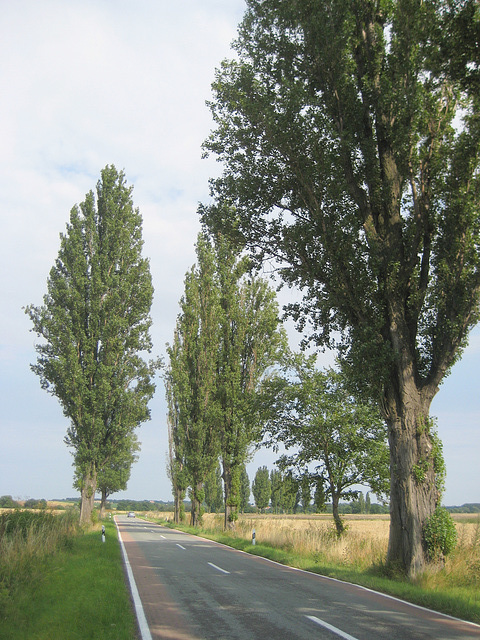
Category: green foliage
[7,502]
[261,488]
[341,441]
[227,336]
[433,460]
[115,473]
[95,323]
[251,341]
[31,503]
[440,534]
[349,137]
[191,380]
[319,498]
[214,491]
[142,505]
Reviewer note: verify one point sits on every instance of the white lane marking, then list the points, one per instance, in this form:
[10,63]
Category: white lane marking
[142,620]
[218,568]
[162,537]
[179,545]
[339,632]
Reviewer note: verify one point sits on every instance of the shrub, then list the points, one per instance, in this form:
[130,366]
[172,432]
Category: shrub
[440,534]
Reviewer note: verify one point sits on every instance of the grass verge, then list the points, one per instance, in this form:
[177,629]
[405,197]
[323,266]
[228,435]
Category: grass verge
[457,601]
[76,592]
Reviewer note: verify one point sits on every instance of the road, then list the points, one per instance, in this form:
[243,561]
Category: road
[194,589]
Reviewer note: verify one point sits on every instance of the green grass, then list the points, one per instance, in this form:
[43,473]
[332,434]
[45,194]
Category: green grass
[460,602]
[77,592]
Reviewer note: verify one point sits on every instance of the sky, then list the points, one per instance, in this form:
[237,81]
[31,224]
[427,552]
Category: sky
[95,82]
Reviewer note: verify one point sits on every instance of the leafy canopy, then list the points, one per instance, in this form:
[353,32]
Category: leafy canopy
[349,135]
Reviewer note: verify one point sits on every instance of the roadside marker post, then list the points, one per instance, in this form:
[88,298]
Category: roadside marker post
[253,537]
[103,533]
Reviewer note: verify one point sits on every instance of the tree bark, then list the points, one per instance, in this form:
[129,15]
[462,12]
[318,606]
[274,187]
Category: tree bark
[179,508]
[195,513]
[414,493]
[103,504]
[88,496]
[230,508]
[336,516]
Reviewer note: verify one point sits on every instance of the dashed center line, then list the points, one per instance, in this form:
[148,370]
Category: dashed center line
[338,632]
[179,545]
[218,568]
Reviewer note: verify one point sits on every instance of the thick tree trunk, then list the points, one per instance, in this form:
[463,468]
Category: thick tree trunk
[413,491]
[88,496]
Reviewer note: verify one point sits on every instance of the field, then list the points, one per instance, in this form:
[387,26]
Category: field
[366,538]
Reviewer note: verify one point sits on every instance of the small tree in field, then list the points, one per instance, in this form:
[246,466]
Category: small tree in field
[343,441]
[95,326]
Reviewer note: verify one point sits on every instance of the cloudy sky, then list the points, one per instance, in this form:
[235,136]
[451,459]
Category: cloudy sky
[95,82]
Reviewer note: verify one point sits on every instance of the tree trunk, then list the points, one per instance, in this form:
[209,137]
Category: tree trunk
[103,504]
[179,508]
[336,516]
[88,496]
[414,493]
[230,506]
[195,513]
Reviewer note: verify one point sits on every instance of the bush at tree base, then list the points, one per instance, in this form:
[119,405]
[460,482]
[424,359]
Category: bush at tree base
[440,534]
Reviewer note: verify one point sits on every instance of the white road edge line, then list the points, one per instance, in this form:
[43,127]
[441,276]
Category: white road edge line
[179,545]
[331,628]
[140,613]
[218,568]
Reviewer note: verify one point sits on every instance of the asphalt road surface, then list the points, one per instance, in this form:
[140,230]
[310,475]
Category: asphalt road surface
[194,589]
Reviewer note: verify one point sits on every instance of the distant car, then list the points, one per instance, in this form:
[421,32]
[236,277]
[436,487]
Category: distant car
[131,514]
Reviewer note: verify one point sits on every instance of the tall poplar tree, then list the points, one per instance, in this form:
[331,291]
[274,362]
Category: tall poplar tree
[350,136]
[261,488]
[252,340]
[192,379]
[95,326]
[177,471]
[228,335]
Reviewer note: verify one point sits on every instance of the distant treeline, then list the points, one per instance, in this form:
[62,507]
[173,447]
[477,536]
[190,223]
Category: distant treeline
[473,507]
[140,505]
[7,502]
